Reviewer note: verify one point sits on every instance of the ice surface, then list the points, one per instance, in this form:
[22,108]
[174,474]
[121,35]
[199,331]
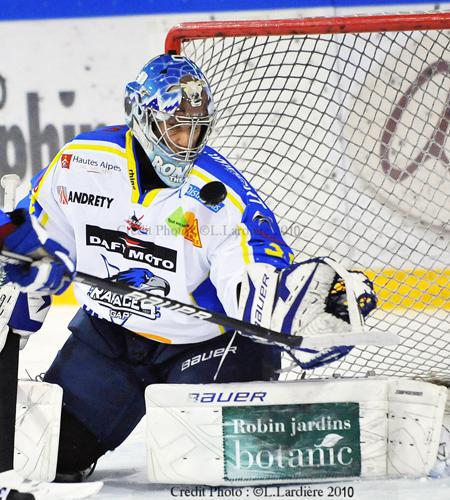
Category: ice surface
[124,470]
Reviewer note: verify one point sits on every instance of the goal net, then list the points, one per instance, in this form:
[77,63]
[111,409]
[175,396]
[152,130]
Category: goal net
[342,125]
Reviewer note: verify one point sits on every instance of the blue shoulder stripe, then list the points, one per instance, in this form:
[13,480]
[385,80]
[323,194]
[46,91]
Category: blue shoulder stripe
[114,134]
[218,166]
[263,233]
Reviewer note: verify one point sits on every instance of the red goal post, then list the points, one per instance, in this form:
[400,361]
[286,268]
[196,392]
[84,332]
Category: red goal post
[342,126]
[313,25]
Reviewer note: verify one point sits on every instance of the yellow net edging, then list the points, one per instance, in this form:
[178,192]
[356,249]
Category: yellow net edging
[417,289]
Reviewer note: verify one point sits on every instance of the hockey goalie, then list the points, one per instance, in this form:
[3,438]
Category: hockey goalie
[151,205]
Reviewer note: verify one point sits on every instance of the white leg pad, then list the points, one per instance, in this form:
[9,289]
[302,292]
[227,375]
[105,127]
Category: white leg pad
[415,419]
[280,432]
[38,420]
[442,466]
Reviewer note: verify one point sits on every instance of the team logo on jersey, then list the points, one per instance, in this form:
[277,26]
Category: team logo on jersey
[132,248]
[260,219]
[186,224]
[120,306]
[134,225]
[66,159]
[94,200]
[91,165]
[194,192]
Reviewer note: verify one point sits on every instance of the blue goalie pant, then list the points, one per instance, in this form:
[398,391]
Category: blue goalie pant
[104,369]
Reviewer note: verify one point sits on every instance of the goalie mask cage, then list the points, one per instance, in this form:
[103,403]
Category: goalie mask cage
[342,126]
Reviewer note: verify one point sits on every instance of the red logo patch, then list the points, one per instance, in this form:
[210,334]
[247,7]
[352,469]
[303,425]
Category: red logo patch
[65,160]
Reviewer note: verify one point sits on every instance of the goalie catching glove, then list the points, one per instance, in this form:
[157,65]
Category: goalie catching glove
[22,234]
[317,296]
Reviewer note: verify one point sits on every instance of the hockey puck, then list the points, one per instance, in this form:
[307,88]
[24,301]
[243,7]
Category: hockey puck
[213,193]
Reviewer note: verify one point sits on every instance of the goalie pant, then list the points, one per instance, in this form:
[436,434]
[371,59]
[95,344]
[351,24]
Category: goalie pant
[104,370]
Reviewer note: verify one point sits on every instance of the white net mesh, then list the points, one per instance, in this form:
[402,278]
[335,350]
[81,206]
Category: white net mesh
[345,137]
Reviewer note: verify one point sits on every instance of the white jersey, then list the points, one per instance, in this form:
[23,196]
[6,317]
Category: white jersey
[164,240]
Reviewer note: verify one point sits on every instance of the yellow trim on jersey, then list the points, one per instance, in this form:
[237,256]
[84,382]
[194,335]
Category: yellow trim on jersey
[151,196]
[133,175]
[152,336]
[234,199]
[95,147]
[244,245]
[201,175]
[35,193]
[43,219]
[131,168]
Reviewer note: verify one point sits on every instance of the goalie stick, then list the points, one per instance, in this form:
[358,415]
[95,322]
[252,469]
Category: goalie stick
[9,355]
[353,337]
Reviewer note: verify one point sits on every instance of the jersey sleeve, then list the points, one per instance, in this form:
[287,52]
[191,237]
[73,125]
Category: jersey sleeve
[42,203]
[31,309]
[253,237]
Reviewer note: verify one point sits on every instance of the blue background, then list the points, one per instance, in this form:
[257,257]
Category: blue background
[53,9]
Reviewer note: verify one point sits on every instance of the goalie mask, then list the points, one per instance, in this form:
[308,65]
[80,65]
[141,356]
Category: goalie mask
[170,110]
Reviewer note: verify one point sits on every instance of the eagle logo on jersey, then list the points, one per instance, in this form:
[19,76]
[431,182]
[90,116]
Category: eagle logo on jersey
[120,306]
[142,278]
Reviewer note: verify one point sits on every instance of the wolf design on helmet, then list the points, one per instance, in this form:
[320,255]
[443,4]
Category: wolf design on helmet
[193,91]
[170,96]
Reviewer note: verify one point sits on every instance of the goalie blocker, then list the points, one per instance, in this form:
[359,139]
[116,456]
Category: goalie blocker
[273,432]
